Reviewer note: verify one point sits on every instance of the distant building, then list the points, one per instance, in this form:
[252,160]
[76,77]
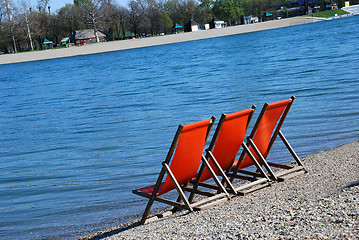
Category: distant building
[249,19]
[176,28]
[291,8]
[266,16]
[191,26]
[310,10]
[87,35]
[216,23]
[65,41]
[47,44]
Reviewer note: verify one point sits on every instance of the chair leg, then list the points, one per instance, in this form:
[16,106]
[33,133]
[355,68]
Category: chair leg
[179,199]
[220,186]
[178,187]
[251,156]
[225,179]
[196,184]
[291,150]
[147,210]
[263,161]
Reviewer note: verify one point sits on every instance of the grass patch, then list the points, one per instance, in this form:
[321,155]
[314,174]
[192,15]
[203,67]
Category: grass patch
[328,13]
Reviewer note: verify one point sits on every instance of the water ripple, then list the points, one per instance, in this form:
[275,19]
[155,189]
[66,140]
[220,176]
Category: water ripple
[77,135]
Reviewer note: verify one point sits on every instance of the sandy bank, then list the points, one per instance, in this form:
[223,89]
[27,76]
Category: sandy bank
[322,204]
[147,42]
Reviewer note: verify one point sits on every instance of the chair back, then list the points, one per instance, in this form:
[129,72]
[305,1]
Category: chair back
[265,131]
[188,153]
[228,139]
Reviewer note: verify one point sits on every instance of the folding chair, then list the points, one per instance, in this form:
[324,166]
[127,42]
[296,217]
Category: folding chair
[222,151]
[262,137]
[181,165]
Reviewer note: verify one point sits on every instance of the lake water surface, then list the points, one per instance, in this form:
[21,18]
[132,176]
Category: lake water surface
[77,134]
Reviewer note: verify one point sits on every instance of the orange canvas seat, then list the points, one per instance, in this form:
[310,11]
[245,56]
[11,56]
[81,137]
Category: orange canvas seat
[223,149]
[181,165]
[264,133]
[149,189]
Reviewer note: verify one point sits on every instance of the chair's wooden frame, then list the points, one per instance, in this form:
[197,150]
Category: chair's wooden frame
[289,171]
[181,188]
[259,180]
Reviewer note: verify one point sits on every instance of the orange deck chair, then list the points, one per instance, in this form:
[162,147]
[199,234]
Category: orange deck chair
[223,149]
[181,165]
[262,137]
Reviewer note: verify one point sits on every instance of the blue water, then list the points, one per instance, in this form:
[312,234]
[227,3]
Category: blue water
[77,134]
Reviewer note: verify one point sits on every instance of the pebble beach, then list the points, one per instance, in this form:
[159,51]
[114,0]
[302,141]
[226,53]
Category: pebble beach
[320,204]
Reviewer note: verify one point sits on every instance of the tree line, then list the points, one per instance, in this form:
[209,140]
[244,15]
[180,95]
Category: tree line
[24,27]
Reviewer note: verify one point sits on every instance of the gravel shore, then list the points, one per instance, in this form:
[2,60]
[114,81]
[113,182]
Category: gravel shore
[321,204]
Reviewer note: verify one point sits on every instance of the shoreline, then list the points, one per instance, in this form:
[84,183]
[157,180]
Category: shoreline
[321,204]
[104,47]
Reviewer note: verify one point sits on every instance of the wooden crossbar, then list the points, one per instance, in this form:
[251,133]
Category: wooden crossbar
[210,199]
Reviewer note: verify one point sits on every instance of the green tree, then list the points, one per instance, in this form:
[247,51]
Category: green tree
[166,23]
[181,11]
[70,19]
[255,7]
[206,6]
[228,10]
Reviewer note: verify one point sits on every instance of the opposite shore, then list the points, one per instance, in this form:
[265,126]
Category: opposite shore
[152,41]
[321,204]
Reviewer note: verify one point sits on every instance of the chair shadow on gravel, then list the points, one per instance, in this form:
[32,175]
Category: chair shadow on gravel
[159,216]
[352,184]
[114,231]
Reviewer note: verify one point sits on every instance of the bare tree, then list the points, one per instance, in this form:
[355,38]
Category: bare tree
[42,5]
[121,27]
[25,15]
[153,17]
[9,10]
[135,16]
[11,24]
[3,39]
[111,17]
[175,11]
[91,12]
[3,10]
